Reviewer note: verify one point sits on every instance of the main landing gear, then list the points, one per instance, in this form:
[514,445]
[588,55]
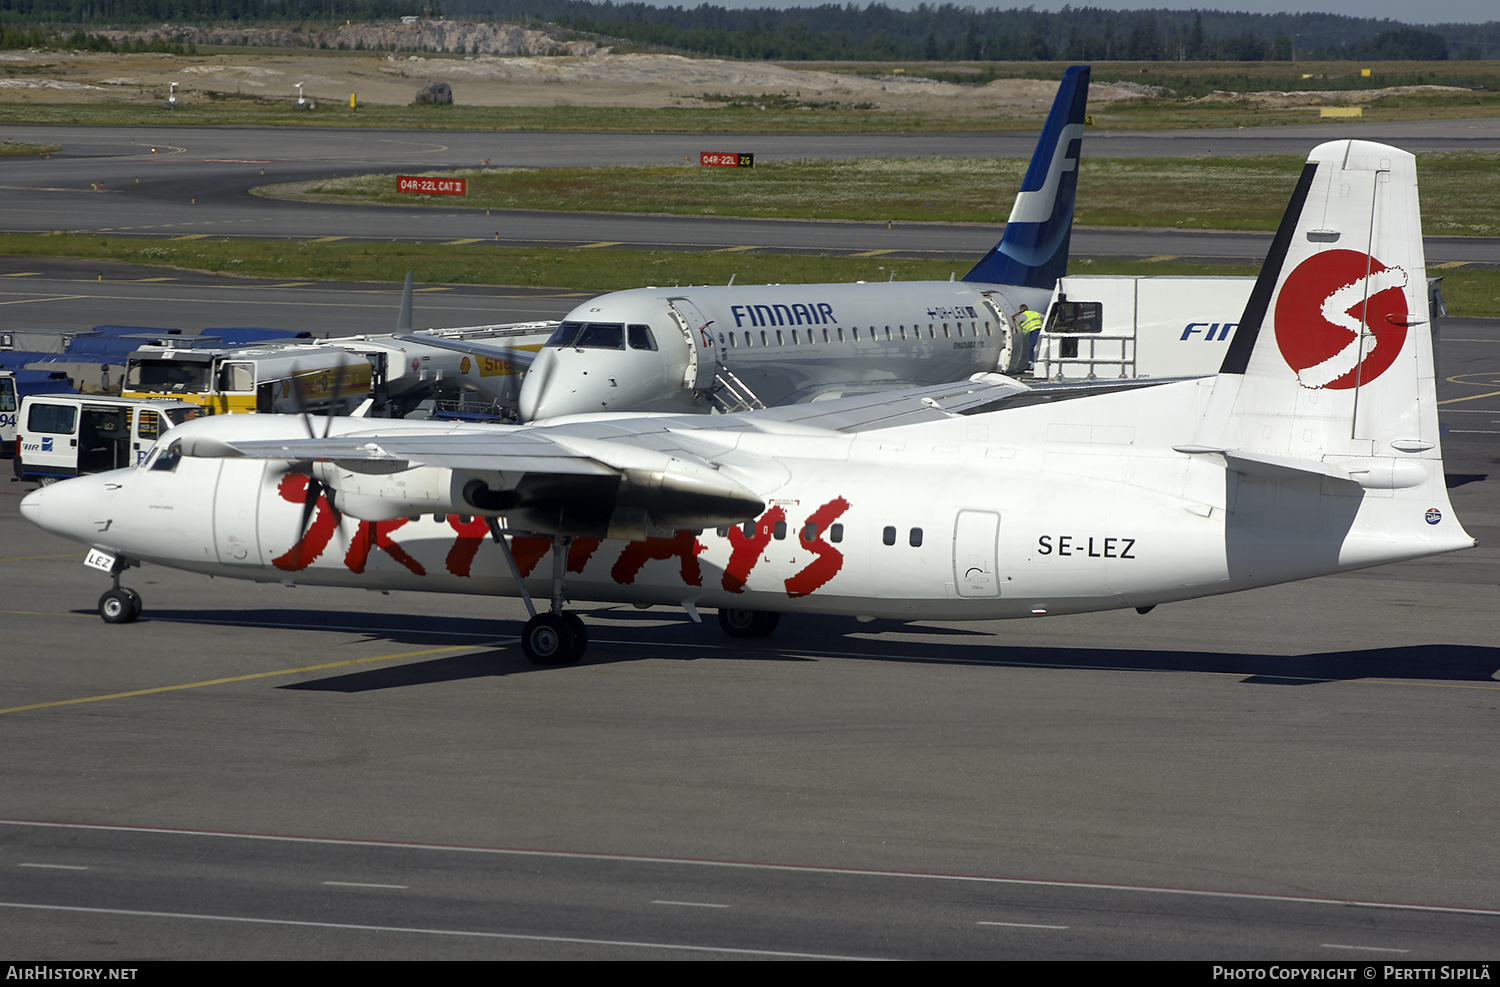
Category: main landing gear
[560,638]
[120,605]
[555,637]
[748,623]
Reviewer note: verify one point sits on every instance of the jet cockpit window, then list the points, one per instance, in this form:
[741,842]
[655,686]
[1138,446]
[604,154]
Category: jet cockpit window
[641,338]
[564,334]
[602,336]
[589,335]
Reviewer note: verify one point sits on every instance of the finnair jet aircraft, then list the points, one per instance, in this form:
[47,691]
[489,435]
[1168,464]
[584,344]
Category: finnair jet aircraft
[1314,450]
[697,349]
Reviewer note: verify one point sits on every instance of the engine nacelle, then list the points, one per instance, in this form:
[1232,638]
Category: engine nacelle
[407,493]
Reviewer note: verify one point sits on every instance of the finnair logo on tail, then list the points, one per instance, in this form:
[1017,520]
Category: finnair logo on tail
[1036,206]
[1341,319]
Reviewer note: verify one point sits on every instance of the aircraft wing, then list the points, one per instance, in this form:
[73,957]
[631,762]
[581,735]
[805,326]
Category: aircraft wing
[980,394]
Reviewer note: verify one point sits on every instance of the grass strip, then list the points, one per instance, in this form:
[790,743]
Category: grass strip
[1143,114]
[232,111]
[15,147]
[1460,191]
[1469,293]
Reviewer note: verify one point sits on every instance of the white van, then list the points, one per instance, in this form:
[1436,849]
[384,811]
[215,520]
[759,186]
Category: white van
[62,435]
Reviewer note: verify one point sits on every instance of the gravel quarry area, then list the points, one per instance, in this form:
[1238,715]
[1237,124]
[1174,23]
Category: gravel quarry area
[601,79]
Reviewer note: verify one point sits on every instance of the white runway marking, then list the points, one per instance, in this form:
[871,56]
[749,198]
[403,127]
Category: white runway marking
[465,933]
[361,884]
[1021,925]
[788,868]
[1366,949]
[54,866]
[690,904]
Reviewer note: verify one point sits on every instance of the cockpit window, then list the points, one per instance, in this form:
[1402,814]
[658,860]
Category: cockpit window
[564,334]
[641,338]
[590,335]
[164,460]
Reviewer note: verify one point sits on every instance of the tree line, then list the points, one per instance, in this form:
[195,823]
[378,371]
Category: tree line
[874,32]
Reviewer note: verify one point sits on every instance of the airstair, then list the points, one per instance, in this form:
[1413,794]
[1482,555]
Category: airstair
[730,394]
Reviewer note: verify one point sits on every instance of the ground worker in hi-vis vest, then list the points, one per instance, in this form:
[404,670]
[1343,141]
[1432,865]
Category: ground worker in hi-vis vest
[1029,322]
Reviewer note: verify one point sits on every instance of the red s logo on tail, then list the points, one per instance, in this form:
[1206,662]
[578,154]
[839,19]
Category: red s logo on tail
[1319,313]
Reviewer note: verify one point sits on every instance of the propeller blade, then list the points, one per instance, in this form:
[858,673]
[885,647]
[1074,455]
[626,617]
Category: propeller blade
[338,397]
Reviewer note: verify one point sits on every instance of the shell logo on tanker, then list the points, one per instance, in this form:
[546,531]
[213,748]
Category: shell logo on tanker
[745,550]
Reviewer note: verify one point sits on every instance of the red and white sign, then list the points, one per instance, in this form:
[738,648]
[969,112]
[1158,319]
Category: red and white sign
[432,186]
[1319,313]
[724,159]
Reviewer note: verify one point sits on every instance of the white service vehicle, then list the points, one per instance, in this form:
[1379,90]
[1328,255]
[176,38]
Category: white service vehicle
[1101,327]
[63,435]
[9,402]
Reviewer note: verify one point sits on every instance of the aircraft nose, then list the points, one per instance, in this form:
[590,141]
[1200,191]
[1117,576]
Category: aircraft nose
[567,383]
[534,385]
[72,508]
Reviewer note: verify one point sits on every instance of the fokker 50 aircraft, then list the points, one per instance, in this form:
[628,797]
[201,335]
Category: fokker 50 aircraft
[1314,450]
[698,349]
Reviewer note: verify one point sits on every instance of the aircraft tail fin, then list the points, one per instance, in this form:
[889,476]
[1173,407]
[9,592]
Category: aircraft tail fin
[1333,358]
[1326,405]
[1034,250]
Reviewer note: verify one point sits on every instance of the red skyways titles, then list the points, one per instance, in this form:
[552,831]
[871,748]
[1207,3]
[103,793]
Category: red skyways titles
[469,533]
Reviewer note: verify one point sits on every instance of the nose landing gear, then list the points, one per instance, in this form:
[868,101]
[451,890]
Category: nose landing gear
[120,604]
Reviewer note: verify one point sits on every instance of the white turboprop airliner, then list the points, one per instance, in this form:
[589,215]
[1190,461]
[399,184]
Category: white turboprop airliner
[1314,450]
[731,348]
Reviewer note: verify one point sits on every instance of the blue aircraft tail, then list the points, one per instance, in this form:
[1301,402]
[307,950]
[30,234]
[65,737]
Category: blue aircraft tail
[1034,249]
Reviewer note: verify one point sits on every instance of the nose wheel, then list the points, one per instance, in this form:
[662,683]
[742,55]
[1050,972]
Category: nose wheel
[120,606]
